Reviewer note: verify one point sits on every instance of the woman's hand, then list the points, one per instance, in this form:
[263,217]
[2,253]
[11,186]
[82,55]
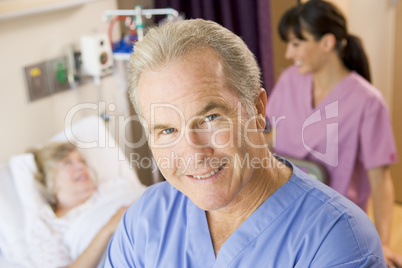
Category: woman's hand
[114,221]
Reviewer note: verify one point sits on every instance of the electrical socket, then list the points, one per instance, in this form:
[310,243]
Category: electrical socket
[37,81]
[57,71]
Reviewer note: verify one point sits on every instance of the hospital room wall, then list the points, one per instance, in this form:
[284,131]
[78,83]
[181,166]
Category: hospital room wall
[32,39]
[397,97]
[375,22]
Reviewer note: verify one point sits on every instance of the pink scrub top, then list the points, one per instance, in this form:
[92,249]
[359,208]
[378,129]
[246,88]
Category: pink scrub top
[349,131]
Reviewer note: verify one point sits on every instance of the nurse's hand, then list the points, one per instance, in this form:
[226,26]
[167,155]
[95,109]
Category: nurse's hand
[392,259]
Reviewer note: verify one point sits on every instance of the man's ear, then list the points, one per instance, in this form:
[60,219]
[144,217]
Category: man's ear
[260,105]
[328,42]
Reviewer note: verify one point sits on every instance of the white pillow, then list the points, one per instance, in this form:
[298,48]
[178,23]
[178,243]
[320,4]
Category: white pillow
[12,241]
[99,148]
[23,169]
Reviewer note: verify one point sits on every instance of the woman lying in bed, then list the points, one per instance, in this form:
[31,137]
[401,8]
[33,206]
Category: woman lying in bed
[65,181]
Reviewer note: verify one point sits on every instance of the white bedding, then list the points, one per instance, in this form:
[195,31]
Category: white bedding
[11,223]
[55,242]
[21,207]
[84,228]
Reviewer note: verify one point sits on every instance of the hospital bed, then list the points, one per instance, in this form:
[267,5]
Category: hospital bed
[106,158]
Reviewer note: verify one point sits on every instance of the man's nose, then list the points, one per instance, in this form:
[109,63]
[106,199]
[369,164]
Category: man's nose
[196,144]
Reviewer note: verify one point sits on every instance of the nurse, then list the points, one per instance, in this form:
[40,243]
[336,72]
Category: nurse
[227,201]
[324,109]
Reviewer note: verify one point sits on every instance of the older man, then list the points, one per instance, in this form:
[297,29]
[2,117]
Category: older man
[227,202]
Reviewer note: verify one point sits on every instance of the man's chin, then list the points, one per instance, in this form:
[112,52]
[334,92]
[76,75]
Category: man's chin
[211,204]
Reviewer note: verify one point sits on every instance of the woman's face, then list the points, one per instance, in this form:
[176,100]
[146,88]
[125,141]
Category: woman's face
[73,184]
[306,54]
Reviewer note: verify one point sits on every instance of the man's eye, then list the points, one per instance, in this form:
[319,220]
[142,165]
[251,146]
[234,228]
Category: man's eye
[211,117]
[168,130]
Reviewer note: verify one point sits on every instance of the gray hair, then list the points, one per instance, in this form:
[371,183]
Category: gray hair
[174,40]
[46,159]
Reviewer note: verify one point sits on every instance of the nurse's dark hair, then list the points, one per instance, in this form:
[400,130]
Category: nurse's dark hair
[319,17]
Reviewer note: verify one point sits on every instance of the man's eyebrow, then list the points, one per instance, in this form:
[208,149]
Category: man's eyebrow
[212,105]
[158,127]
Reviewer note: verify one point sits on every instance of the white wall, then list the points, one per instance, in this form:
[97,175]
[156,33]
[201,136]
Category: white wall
[31,39]
[342,4]
[374,22]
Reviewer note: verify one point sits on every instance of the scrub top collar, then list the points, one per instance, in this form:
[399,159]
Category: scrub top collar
[251,228]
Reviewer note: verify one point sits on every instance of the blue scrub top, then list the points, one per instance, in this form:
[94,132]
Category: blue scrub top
[303,224]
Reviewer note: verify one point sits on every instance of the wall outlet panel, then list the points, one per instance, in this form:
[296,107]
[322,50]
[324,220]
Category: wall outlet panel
[52,76]
[57,72]
[37,81]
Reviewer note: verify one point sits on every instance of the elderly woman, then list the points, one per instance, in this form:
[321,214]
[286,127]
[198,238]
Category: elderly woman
[65,181]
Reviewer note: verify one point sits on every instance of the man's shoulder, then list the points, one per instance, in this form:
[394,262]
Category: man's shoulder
[341,221]
[322,200]
[324,196]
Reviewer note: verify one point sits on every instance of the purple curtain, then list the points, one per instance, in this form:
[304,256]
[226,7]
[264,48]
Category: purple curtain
[250,19]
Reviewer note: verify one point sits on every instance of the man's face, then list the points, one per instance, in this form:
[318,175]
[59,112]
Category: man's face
[198,130]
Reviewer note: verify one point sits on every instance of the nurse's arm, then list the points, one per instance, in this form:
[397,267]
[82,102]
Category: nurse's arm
[382,191]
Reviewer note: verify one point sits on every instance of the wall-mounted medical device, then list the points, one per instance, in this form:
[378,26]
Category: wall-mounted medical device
[96,55]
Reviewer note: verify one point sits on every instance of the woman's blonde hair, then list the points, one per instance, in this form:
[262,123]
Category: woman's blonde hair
[46,159]
[174,40]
